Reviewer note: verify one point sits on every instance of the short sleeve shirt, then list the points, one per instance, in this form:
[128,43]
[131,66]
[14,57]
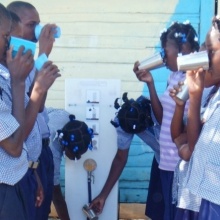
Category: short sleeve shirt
[33,141]
[12,169]
[57,119]
[203,176]
[150,137]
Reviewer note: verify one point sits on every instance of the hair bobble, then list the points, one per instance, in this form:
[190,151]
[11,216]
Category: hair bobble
[196,39]
[72,117]
[163,31]
[176,35]
[183,40]
[162,53]
[182,36]
[186,22]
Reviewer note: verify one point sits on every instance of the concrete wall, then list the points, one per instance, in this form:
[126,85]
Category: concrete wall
[103,39]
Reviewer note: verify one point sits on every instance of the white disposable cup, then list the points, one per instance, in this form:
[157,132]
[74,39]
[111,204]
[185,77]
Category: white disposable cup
[18,42]
[39,62]
[39,28]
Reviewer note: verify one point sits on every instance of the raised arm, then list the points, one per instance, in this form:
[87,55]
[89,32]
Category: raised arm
[14,144]
[45,78]
[195,80]
[145,76]
[177,126]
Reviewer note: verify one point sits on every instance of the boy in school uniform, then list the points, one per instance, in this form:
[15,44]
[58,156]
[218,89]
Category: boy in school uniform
[30,18]
[13,153]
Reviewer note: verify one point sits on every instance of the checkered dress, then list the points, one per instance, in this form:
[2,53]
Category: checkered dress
[203,176]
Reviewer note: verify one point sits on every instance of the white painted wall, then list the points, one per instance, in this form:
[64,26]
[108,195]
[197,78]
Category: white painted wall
[102,38]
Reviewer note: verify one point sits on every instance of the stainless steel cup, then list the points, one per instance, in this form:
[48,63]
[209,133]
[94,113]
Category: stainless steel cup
[184,93]
[193,61]
[89,213]
[153,62]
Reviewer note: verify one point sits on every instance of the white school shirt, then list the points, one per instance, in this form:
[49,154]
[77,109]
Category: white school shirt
[33,141]
[57,119]
[12,169]
[203,176]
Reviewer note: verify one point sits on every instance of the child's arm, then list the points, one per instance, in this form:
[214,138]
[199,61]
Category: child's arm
[182,146]
[145,76]
[177,126]
[44,80]
[19,67]
[195,81]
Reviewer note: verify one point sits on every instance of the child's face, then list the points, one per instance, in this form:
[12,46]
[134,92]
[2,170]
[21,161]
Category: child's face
[4,38]
[29,19]
[212,77]
[171,53]
[17,30]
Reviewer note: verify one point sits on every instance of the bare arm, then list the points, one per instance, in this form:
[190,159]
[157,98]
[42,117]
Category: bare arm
[46,39]
[195,80]
[60,203]
[14,144]
[30,91]
[40,191]
[177,126]
[117,167]
[145,76]
[44,80]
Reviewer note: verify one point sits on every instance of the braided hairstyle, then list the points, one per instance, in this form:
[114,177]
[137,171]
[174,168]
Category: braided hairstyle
[76,137]
[134,116]
[180,33]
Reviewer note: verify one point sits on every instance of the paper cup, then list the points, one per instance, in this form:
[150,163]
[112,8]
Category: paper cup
[18,42]
[39,62]
[39,28]
[193,61]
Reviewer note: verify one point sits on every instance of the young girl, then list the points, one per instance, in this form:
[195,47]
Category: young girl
[178,38]
[187,204]
[203,174]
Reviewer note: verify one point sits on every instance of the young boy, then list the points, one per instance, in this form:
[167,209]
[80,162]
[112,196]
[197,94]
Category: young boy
[30,18]
[13,152]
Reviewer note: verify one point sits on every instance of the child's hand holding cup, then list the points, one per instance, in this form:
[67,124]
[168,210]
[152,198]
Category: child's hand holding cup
[16,43]
[39,28]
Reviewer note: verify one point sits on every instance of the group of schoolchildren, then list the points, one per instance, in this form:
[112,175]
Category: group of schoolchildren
[185,176]
[26,168]
[185,173]
[189,135]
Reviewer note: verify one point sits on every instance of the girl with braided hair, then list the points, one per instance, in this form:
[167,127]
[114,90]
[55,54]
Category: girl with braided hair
[179,38]
[203,175]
